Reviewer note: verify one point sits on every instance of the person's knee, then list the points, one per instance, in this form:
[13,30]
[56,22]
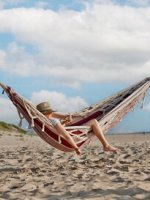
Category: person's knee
[93,121]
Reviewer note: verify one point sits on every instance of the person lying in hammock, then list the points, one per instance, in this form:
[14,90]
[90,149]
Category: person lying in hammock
[55,117]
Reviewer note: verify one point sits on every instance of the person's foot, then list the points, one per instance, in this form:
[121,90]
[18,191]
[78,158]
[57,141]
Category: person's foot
[110,148]
[78,152]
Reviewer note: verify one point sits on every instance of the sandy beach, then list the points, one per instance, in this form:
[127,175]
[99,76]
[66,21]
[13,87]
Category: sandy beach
[32,170]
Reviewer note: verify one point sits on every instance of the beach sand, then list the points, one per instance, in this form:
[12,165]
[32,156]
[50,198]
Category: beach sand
[30,169]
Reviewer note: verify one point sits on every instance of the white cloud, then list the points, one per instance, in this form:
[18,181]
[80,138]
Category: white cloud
[16,60]
[59,101]
[103,42]
[8,111]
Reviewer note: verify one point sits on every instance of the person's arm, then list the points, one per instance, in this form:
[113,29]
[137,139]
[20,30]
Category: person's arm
[66,119]
[64,116]
[59,115]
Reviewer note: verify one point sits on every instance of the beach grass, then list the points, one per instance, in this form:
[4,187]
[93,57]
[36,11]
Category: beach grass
[11,127]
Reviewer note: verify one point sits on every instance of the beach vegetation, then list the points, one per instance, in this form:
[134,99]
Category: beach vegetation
[11,127]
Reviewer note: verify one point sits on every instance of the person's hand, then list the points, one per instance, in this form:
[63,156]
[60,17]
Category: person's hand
[69,117]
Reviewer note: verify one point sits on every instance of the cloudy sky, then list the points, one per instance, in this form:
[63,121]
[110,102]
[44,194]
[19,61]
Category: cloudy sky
[74,53]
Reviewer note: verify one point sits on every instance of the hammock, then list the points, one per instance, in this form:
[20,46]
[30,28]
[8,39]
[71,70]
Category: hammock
[108,112]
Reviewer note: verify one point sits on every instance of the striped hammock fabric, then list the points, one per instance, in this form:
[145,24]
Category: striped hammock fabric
[108,112]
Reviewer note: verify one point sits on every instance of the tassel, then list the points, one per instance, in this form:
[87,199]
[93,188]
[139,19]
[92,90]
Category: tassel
[20,123]
[43,127]
[59,139]
[142,103]
[32,123]
[21,118]
[29,126]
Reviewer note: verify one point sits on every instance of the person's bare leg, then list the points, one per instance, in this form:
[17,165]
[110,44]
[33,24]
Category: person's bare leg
[66,135]
[99,133]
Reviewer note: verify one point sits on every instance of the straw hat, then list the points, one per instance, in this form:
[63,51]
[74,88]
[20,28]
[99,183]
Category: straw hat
[44,107]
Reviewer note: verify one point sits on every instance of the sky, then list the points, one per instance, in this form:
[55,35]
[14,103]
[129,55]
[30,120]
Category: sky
[74,53]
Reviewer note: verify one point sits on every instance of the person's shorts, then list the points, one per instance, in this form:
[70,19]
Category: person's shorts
[54,121]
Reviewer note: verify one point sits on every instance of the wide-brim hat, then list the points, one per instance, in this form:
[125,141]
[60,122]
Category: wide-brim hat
[44,107]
